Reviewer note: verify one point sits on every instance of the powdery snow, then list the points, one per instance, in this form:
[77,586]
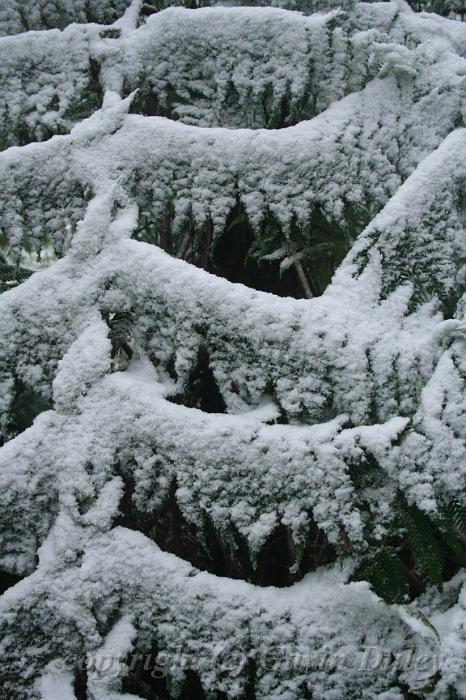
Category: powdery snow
[372,371]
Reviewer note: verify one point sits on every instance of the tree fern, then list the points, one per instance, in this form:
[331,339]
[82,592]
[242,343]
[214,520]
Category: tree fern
[206,422]
[428,542]
[386,575]
[427,550]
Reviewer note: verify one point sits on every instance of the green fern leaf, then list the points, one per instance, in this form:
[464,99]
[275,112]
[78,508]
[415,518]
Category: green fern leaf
[426,548]
[386,575]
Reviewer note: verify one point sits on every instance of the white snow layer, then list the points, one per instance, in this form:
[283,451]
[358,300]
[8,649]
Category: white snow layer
[371,369]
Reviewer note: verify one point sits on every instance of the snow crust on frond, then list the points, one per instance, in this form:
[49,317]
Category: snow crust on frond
[216,627]
[345,368]
[333,406]
[202,174]
[17,16]
[233,67]
[47,83]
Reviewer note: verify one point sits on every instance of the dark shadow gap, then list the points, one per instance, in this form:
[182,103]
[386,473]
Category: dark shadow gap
[231,260]
[26,406]
[8,580]
[146,677]
[209,550]
[298,264]
[80,684]
[201,389]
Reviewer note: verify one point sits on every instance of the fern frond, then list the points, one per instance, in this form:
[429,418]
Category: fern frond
[426,548]
[455,515]
[386,575]
[11,276]
[452,524]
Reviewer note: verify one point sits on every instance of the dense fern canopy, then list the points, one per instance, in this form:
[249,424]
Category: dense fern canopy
[232,351]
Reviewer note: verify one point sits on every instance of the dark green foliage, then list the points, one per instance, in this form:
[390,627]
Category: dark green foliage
[427,548]
[27,404]
[11,275]
[419,549]
[452,525]
[454,517]
[386,575]
[120,333]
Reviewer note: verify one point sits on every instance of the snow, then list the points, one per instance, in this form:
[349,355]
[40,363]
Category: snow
[371,371]
[86,361]
[308,369]
[108,662]
[199,617]
[203,173]
[18,16]
[46,79]
[56,684]
[237,469]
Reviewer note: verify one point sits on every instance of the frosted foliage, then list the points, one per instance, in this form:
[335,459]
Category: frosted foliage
[251,68]
[236,468]
[85,362]
[18,16]
[46,83]
[316,392]
[346,162]
[258,67]
[268,68]
[193,613]
[201,173]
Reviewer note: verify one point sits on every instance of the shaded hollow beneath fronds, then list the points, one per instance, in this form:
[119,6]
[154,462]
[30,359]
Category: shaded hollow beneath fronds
[147,677]
[25,407]
[299,263]
[207,548]
[8,580]
[201,390]
[296,263]
[231,259]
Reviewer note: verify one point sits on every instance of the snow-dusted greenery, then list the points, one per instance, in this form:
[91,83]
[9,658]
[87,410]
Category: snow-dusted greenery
[344,412]
[18,16]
